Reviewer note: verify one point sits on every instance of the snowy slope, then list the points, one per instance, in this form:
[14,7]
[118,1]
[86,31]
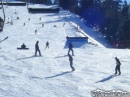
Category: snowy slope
[23,75]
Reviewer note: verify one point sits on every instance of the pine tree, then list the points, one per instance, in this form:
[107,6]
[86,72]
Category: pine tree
[124,28]
[111,11]
[72,5]
[97,3]
[64,4]
[85,4]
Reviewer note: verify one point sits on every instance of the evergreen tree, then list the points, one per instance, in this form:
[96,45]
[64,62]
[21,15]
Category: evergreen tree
[64,4]
[97,3]
[85,4]
[72,5]
[124,28]
[111,11]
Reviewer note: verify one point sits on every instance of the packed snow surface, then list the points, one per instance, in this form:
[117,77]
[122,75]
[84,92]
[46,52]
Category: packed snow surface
[24,75]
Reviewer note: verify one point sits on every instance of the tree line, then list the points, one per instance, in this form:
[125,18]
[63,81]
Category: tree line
[110,17]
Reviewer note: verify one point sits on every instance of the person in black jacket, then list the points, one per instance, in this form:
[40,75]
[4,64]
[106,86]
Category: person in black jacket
[71,62]
[37,49]
[118,63]
[71,48]
[23,46]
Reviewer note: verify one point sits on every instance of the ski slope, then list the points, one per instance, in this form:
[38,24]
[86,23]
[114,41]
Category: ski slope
[24,75]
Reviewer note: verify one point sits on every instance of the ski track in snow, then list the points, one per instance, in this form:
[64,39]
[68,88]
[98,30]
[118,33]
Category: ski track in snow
[24,75]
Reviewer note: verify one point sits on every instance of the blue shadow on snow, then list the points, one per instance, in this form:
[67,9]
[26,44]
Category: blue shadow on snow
[106,79]
[63,73]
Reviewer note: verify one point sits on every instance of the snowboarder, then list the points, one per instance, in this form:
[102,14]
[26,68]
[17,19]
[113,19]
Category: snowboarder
[23,46]
[118,63]
[37,49]
[47,45]
[71,48]
[35,31]
[29,19]
[71,62]
[42,25]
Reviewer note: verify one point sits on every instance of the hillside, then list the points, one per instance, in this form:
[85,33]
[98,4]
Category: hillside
[24,75]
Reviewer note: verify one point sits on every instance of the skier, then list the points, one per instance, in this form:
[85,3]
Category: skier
[23,24]
[71,48]
[47,45]
[63,24]
[37,49]
[35,32]
[42,25]
[40,19]
[118,63]
[71,62]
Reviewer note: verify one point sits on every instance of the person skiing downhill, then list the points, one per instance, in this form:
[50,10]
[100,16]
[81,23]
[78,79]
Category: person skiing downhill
[71,62]
[71,48]
[47,45]
[118,63]
[37,49]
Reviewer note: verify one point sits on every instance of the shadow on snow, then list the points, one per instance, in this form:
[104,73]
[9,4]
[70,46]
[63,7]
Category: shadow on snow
[106,79]
[27,57]
[61,56]
[63,73]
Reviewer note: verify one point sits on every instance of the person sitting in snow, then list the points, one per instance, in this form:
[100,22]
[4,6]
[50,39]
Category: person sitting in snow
[23,46]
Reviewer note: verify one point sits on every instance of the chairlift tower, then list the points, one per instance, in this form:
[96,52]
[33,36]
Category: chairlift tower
[129,13]
[1,20]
